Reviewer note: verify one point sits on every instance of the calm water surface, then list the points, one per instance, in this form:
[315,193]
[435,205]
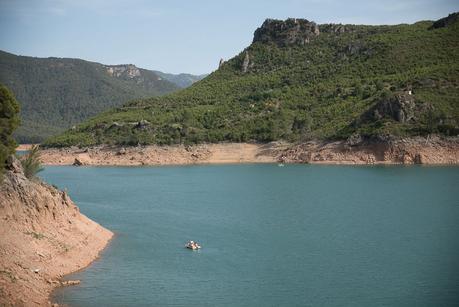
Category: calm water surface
[272,236]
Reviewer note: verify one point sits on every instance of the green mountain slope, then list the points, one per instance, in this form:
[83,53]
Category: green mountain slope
[57,93]
[300,81]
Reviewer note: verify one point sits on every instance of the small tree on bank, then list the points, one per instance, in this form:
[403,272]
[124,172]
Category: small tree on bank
[31,162]
[9,121]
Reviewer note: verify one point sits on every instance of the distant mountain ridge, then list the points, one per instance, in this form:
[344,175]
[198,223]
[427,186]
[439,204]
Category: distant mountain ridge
[57,93]
[130,71]
[182,80]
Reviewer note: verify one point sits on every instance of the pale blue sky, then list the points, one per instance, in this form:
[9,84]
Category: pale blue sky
[178,36]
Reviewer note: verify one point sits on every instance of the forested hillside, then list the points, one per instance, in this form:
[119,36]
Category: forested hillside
[57,93]
[299,81]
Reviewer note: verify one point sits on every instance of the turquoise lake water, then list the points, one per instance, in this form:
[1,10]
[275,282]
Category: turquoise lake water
[299,235]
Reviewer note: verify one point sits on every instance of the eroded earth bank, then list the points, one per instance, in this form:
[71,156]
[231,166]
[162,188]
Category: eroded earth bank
[431,150]
[43,237]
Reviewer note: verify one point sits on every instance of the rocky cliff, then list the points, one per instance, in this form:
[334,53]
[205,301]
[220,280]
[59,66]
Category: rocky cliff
[127,71]
[359,150]
[43,236]
[289,32]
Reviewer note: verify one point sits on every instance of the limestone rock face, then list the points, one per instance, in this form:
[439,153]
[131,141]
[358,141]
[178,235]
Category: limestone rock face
[354,140]
[289,32]
[128,71]
[246,63]
[400,107]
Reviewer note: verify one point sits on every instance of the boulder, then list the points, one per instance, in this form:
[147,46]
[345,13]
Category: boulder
[77,162]
[122,151]
[418,159]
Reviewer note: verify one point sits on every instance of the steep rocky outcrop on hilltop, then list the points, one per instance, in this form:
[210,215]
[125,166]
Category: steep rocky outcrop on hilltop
[43,236]
[289,32]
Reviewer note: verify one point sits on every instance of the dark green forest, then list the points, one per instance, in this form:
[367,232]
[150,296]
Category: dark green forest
[400,80]
[57,93]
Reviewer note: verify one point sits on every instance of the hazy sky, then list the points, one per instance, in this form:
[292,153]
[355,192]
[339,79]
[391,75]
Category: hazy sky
[178,36]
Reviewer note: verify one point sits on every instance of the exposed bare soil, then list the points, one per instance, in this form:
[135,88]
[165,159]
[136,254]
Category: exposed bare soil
[432,150]
[43,237]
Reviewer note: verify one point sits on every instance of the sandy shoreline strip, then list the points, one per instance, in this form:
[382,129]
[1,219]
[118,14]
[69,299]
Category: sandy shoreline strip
[404,151]
[23,147]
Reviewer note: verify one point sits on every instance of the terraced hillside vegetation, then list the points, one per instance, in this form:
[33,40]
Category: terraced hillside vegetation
[57,93]
[299,81]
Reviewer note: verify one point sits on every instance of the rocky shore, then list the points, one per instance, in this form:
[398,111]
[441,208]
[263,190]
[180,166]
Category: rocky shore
[43,237]
[431,150]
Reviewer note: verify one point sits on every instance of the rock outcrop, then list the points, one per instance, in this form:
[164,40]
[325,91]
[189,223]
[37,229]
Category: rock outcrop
[289,32]
[142,124]
[400,107]
[335,28]
[77,162]
[446,21]
[43,236]
[431,150]
[246,62]
[128,71]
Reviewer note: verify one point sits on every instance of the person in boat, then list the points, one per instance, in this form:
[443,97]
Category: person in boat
[192,245]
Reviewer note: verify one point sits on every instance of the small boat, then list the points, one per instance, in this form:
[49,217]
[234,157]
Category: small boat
[280,164]
[193,245]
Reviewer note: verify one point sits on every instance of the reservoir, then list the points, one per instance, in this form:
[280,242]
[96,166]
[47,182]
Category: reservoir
[299,235]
